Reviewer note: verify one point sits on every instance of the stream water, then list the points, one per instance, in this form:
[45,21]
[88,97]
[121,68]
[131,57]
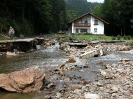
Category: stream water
[41,58]
[52,57]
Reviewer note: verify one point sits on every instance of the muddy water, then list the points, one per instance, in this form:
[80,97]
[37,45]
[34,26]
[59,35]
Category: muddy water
[41,58]
[49,58]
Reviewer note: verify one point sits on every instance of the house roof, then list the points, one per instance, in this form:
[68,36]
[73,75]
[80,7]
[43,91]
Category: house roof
[88,14]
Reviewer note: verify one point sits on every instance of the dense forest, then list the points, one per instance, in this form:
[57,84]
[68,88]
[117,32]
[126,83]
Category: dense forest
[32,17]
[119,13]
[76,8]
[35,17]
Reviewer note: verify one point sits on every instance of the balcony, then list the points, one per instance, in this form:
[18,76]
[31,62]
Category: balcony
[82,25]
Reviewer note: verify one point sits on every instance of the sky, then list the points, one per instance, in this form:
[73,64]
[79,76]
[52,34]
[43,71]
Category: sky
[99,1]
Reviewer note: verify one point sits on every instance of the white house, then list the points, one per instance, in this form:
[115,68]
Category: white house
[87,23]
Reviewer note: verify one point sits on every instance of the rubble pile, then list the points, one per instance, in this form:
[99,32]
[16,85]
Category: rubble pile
[115,82]
[101,48]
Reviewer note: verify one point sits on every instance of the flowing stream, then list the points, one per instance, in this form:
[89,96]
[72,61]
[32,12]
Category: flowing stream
[41,58]
[52,57]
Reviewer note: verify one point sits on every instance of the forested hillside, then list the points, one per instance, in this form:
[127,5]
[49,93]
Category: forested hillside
[119,13]
[35,17]
[32,17]
[76,8]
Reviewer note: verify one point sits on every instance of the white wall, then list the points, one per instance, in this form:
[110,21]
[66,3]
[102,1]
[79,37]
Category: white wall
[90,19]
[100,26]
[73,30]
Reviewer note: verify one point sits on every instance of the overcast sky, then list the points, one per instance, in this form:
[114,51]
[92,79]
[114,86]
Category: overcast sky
[100,1]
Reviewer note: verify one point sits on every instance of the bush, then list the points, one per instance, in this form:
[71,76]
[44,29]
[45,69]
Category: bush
[118,37]
[127,37]
[131,44]
[4,25]
[113,38]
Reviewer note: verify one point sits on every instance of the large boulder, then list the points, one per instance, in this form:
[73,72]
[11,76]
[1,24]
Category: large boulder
[27,80]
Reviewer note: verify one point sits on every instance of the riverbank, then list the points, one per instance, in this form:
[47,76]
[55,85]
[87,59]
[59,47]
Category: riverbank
[105,77]
[17,46]
[113,79]
[106,74]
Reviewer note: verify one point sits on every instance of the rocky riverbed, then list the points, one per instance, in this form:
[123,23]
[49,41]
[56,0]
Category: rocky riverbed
[108,76]
[114,81]
[104,74]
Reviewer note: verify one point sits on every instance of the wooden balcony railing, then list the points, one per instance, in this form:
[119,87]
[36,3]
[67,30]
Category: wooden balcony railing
[82,25]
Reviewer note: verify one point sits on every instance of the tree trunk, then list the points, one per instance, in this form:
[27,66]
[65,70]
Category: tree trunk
[114,31]
[7,6]
[1,29]
[121,31]
[124,30]
[23,13]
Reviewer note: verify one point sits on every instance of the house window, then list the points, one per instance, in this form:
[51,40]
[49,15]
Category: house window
[95,22]
[95,30]
[86,21]
[83,30]
[77,30]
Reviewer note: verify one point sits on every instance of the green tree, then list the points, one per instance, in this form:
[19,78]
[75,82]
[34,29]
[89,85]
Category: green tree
[32,17]
[58,14]
[76,8]
[119,14]
[97,11]
[71,14]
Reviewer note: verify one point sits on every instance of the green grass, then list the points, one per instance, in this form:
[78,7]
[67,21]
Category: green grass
[3,38]
[92,37]
[87,36]
[95,37]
